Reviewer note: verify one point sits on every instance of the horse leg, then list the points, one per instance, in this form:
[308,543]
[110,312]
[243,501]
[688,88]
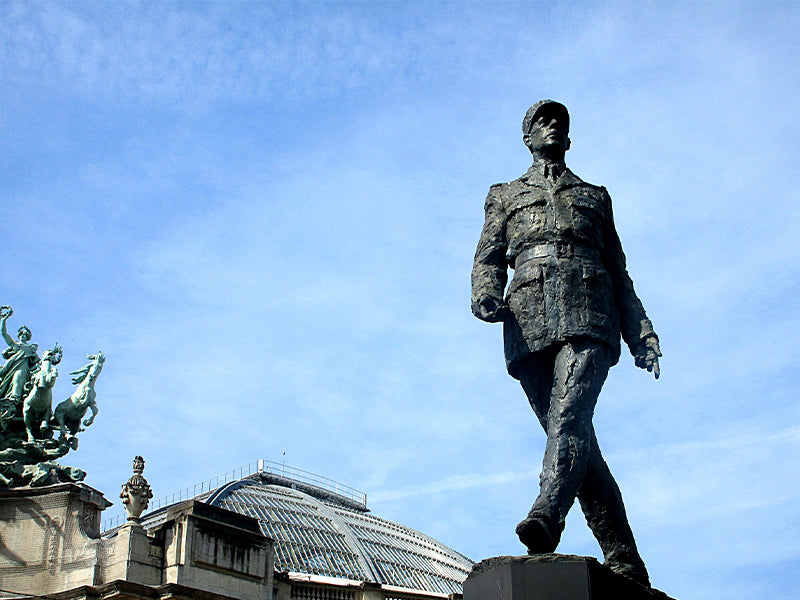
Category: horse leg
[62,427]
[45,426]
[28,417]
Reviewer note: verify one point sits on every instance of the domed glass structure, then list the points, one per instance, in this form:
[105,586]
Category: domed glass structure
[322,528]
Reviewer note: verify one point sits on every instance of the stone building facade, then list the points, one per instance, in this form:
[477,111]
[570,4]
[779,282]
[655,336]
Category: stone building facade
[261,537]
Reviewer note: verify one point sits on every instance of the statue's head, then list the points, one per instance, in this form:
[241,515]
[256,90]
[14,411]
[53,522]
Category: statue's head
[24,334]
[545,128]
[54,355]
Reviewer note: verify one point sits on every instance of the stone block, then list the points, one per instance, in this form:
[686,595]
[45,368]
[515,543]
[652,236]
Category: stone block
[216,550]
[49,537]
[131,555]
[551,577]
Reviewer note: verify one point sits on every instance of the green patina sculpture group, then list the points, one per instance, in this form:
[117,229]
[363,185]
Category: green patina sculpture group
[28,451]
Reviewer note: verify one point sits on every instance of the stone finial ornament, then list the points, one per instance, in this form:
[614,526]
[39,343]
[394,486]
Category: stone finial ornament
[136,493]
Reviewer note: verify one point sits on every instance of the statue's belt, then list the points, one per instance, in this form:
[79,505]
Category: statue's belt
[556,250]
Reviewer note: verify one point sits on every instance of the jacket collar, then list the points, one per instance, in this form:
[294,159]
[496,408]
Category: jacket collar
[535,178]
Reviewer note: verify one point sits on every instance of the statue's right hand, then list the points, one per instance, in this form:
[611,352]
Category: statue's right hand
[646,355]
[490,309]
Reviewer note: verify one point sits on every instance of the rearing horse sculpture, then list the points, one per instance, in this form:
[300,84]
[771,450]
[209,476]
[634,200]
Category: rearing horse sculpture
[69,413]
[37,407]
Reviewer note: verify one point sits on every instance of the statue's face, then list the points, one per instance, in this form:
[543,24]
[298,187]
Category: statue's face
[24,336]
[548,133]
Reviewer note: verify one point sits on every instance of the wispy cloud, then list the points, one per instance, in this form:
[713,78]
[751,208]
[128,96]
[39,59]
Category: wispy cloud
[265,214]
[452,483]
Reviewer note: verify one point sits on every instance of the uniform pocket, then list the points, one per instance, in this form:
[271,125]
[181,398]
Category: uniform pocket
[526,296]
[527,274]
[599,296]
[587,217]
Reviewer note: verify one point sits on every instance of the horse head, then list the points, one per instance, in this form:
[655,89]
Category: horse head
[97,364]
[88,373]
[46,375]
[53,356]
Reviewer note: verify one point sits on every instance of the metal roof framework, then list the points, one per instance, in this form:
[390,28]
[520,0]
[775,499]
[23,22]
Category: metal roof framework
[326,538]
[319,532]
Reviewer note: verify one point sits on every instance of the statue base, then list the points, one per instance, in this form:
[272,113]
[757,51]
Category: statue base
[49,537]
[552,577]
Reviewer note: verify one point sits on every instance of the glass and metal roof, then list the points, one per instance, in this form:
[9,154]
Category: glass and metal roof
[322,528]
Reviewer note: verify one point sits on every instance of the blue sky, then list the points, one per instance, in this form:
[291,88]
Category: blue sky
[265,215]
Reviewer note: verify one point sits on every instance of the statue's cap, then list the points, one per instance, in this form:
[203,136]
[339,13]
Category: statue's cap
[541,106]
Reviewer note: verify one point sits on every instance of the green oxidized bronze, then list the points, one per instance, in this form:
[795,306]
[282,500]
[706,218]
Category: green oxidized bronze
[15,375]
[28,451]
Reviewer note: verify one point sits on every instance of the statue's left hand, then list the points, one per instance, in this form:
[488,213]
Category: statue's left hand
[646,355]
[490,309]
[90,420]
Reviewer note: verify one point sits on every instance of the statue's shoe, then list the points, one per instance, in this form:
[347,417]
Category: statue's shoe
[637,572]
[536,536]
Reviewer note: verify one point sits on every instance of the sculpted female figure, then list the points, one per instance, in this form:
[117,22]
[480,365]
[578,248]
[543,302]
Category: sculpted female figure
[21,357]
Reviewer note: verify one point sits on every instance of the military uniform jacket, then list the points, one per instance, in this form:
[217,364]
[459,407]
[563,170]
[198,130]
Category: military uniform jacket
[570,278]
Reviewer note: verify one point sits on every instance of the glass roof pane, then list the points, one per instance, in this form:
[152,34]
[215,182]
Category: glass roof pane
[317,535]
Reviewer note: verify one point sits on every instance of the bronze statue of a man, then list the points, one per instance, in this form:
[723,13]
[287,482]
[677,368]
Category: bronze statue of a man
[569,300]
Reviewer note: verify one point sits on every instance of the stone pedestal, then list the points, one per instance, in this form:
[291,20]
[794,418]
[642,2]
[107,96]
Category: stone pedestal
[551,577]
[49,537]
[131,555]
[50,544]
[216,550]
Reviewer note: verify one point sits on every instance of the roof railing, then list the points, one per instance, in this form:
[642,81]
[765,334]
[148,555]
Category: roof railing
[259,466]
